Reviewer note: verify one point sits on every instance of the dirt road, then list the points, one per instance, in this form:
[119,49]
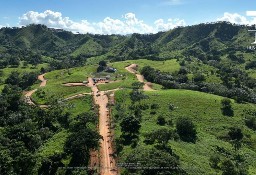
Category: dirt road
[30,93]
[107,162]
[43,81]
[132,69]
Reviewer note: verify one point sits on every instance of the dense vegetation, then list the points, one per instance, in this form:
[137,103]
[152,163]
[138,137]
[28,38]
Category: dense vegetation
[176,128]
[25,129]
[236,84]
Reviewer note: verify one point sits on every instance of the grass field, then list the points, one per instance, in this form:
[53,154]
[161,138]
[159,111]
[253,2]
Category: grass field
[127,79]
[79,106]
[56,79]
[204,110]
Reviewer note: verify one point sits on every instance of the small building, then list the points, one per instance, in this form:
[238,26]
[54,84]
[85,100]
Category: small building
[96,80]
[110,69]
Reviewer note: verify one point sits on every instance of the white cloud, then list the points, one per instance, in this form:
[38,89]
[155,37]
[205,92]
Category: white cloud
[162,26]
[128,24]
[6,25]
[237,18]
[250,13]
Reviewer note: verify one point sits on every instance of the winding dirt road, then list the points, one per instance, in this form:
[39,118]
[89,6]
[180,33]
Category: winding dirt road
[30,93]
[132,69]
[107,162]
[42,79]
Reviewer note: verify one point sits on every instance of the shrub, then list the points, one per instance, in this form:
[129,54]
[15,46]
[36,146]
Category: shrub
[186,129]
[161,120]
[226,107]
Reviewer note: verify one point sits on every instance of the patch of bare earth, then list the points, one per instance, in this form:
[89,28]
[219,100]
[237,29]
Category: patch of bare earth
[30,93]
[133,69]
[107,162]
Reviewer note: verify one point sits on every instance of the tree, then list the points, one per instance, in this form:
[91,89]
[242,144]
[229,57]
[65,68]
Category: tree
[103,63]
[130,124]
[146,158]
[161,136]
[236,135]
[51,164]
[199,77]
[250,122]
[136,95]
[81,141]
[226,107]
[137,85]
[186,129]
[228,168]
[214,161]
[102,66]
[161,120]
[13,78]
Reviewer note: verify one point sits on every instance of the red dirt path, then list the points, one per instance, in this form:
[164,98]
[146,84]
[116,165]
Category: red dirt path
[132,69]
[107,162]
[29,93]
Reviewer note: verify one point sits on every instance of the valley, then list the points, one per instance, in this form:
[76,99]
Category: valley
[138,104]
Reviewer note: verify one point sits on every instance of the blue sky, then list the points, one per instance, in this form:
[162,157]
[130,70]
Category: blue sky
[144,16]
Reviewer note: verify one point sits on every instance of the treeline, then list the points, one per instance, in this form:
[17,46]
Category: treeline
[25,129]
[29,42]
[236,84]
[22,80]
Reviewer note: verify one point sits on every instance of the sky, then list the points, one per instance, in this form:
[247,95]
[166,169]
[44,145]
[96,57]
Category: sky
[123,16]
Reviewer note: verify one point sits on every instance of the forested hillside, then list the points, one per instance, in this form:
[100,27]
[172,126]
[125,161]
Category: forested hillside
[183,99]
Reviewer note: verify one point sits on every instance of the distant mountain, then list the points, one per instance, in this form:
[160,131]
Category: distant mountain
[202,39]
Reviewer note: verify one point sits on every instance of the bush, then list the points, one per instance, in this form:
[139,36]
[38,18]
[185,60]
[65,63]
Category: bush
[214,161]
[161,120]
[250,122]
[226,107]
[155,106]
[186,129]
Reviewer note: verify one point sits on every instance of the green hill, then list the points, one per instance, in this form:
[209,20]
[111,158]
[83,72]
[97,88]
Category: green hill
[199,118]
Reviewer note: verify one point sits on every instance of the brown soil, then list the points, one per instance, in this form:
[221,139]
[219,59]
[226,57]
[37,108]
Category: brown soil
[107,162]
[29,93]
[133,69]
[77,96]
[74,84]
[43,81]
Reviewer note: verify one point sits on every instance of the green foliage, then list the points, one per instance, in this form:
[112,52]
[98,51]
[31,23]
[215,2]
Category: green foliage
[199,77]
[215,161]
[130,124]
[226,107]
[81,141]
[186,129]
[228,168]
[250,122]
[137,95]
[207,55]
[161,120]
[161,136]
[149,158]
